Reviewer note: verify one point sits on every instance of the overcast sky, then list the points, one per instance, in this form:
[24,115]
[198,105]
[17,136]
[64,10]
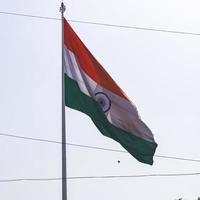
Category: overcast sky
[158,71]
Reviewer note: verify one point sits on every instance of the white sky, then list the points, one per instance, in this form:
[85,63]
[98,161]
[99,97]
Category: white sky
[159,71]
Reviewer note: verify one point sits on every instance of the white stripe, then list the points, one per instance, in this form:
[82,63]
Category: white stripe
[72,69]
[122,114]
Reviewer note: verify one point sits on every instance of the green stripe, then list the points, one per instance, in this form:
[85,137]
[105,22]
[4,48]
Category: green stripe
[141,149]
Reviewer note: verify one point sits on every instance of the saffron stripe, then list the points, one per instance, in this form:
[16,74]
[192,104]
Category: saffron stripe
[88,62]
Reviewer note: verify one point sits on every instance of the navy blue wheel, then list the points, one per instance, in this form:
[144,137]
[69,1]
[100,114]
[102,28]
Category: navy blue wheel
[103,100]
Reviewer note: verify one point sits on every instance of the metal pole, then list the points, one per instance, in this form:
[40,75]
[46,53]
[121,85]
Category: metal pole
[64,159]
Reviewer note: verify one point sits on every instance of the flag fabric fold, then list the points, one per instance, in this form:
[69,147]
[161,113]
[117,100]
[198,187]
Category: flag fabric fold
[91,90]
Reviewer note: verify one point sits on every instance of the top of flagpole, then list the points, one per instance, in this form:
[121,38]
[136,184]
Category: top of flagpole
[62,8]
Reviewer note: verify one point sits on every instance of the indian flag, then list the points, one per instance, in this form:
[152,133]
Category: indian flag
[91,90]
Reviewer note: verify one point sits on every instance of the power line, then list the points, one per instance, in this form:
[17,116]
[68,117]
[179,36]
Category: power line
[137,28]
[31,16]
[99,177]
[177,158]
[28,179]
[30,138]
[121,151]
[104,24]
[92,147]
[135,176]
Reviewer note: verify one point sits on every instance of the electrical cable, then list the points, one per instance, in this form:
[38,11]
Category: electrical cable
[135,176]
[31,16]
[136,28]
[104,24]
[92,147]
[99,177]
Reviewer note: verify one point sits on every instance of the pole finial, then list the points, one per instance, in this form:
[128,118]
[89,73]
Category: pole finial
[62,7]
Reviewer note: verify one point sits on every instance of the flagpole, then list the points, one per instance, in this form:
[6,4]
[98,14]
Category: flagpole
[64,159]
